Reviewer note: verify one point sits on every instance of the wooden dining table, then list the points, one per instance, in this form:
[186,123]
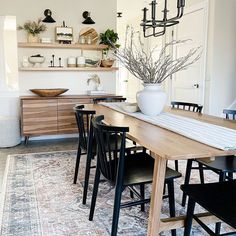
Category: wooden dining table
[165,145]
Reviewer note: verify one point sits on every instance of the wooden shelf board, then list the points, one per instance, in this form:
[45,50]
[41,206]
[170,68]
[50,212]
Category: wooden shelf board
[62,46]
[104,69]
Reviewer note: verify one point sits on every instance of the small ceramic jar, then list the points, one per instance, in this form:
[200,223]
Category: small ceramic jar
[81,61]
[82,40]
[71,62]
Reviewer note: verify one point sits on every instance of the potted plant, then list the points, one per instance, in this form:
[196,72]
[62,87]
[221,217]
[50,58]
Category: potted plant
[33,29]
[109,38]
[153,71]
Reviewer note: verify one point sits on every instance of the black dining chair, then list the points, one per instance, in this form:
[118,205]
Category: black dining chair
[124,170]
[87,144]
[108,99]
[189,107]
[224,166]
[217,198]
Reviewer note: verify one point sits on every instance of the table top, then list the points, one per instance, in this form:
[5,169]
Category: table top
[162,142]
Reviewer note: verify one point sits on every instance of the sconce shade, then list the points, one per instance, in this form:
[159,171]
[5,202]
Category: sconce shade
[88,20]
[48,18]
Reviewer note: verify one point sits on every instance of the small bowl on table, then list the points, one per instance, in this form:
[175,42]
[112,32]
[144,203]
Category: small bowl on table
[49,92]
[130,107]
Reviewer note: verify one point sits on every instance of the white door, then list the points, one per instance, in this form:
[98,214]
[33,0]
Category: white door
[188,85]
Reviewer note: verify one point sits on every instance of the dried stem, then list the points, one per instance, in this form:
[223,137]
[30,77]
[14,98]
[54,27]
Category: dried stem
[145,67]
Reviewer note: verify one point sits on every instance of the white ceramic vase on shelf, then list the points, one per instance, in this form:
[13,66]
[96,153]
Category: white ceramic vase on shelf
[151,100]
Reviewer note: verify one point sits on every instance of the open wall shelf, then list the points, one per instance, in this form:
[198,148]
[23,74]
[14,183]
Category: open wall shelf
[103,69]
[63,46]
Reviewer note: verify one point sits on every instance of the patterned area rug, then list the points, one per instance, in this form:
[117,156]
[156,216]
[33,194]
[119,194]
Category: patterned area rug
[40,199]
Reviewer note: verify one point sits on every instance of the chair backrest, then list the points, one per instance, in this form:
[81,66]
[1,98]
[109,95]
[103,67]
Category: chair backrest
[111,148]
[187,106]
[83,119]
[108,99]
[230,114]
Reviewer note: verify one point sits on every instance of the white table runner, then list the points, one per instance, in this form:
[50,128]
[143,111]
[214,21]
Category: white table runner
[212,135]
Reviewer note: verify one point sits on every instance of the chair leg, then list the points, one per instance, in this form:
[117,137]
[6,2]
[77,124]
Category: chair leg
[95,192]
[222,176]
[142,193]
[116,210]
[187,179]
[230,175]
[189,217]
[176,165]
[131,194]
[201,173]
[86,178]
[171,196]
[77,163]
[217,228]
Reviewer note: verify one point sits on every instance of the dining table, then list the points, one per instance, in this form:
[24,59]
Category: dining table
[165,145]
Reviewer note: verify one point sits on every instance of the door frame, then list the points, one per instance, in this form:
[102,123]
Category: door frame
[205,6]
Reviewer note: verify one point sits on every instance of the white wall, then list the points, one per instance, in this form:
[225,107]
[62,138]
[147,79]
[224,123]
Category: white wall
[71,12]
[222,56]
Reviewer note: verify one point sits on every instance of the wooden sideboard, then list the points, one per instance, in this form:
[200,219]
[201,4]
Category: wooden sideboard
[51,115]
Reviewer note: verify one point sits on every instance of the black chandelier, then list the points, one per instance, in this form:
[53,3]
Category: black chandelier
[158,27]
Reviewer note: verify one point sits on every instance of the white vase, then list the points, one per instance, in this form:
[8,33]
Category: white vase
[151,100]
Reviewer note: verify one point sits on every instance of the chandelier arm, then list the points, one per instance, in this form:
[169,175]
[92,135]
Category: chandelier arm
[165,22]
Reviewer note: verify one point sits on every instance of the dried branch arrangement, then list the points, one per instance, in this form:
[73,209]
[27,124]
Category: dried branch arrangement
[33,27]
[142,64]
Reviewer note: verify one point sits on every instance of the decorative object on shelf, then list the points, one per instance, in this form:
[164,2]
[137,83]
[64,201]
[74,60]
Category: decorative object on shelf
[81,60]
[109,38]
[25,62]
[36,60]
[82,39]
[71,62]
[33,30]
[88,35]
[152,71]
[156,27]
[93,82]
[119,14]
[92,62]
[49,92]
[107,62]
[52,62]
[64,35]
[48,16]
[46,40]
[88,20]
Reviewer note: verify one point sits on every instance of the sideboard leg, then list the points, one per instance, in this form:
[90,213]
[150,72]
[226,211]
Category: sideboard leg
[26,140]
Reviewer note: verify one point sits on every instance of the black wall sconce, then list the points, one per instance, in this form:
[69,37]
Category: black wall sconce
[48,16]
[88,20]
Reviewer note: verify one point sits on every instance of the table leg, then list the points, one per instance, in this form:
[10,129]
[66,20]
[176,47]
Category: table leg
[157,194]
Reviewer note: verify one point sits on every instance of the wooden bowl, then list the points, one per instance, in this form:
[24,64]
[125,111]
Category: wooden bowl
[49,92]
[107,63]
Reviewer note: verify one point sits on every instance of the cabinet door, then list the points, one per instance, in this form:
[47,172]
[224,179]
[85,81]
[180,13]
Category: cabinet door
[66,115]
[39,117]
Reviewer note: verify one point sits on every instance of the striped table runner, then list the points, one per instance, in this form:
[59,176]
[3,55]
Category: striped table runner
[212,135]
